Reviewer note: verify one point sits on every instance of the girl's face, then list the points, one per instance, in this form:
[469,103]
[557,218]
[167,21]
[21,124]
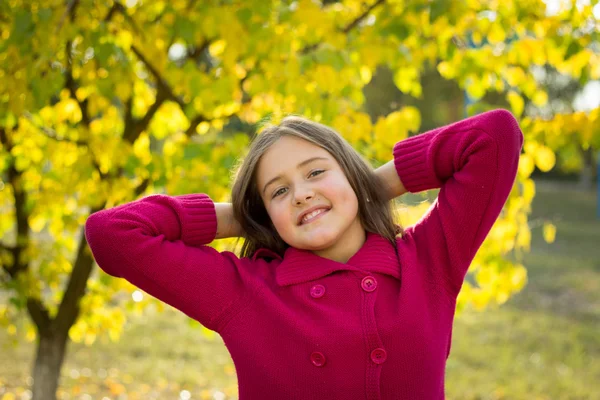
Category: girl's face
[294,177]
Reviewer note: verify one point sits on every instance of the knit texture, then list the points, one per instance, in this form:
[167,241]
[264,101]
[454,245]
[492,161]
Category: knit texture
[306,327]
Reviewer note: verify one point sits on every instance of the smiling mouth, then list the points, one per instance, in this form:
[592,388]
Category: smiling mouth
[314,217]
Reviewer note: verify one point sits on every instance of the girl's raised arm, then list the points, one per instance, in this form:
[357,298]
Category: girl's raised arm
[474,163]
[158,243]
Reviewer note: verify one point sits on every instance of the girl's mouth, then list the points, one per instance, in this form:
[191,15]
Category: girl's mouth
[312,218]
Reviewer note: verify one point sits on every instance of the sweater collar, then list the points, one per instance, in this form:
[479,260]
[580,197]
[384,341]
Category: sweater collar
[376,255]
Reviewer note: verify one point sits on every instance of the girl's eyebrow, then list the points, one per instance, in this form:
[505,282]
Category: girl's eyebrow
[303,163]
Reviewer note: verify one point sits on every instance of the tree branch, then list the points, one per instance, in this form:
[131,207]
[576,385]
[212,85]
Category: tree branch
[50,133]
[307,49]
[141,188]
[71,85]
[21,213]
[6,247]
[137,126]
[39,314]
[161,83]
[194,52]
[193,124]
[68,310]
[364,15]
[134,127]
[70,11]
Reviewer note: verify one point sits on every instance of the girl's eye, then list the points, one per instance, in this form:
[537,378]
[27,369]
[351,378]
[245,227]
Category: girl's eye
[277,193]
[313,173]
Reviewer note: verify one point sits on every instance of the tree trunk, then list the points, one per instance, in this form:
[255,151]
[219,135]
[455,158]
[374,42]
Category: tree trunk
[48,362]
[586,178]
[53,334]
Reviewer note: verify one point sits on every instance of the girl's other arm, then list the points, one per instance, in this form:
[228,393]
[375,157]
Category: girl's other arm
[474,163]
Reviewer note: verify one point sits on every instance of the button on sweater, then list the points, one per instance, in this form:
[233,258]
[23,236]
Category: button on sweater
[305,327]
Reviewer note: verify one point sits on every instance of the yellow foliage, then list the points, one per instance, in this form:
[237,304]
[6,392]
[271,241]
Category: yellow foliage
[345,125]
[540,98]
[446,69]
[549,232]
[544,158]
[262,64]
[141,148]
[516,102]
[496,34]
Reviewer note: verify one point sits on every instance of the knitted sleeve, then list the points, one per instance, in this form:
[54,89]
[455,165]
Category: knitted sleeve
[158,243]
[474,163]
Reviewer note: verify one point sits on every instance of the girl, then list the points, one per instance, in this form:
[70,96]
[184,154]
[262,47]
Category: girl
[324,301]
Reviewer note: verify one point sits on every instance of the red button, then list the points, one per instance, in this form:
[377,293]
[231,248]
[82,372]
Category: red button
[369,283]
[317,358]
[378,356]
[317,291]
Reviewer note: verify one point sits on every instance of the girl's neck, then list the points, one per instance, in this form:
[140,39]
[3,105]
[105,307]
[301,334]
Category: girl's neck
[347,245]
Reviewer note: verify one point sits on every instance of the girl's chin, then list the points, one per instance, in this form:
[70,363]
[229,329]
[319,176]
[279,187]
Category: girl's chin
[318,240]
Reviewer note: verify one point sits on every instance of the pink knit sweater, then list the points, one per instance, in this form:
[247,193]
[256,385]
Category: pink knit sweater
[306,327]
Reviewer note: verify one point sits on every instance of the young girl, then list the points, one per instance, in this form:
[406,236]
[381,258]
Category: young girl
[324,302]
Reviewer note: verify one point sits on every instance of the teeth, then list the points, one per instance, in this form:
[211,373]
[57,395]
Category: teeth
[312,214]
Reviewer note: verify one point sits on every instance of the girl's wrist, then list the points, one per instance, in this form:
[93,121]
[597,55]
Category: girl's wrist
[227,225]
[391,181]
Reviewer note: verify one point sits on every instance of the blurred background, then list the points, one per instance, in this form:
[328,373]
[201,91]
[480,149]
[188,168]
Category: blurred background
[102,102]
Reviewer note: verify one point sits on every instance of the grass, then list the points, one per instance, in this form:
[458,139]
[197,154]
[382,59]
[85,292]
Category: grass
[544,343]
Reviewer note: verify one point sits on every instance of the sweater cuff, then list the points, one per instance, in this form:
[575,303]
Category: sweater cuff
[198,218]
[412,166]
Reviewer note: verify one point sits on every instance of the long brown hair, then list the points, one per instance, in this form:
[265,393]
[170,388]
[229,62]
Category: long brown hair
[376,215]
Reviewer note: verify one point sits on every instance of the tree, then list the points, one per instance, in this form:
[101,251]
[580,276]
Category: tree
[102,102]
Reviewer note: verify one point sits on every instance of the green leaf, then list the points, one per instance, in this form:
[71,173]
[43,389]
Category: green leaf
[439,8]
[573,48]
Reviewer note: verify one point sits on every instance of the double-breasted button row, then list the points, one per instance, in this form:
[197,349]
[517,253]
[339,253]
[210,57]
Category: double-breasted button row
[369,283]
[378,356]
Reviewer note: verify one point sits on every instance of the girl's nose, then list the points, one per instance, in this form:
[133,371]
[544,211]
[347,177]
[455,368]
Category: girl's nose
[303,194]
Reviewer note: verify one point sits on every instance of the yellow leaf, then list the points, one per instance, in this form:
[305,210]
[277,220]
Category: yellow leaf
[540,98]
[446,70]
[526,165]
[124,39]
[516,102]
[404,78]
[217,47]
[502,296]
[528,190]
[480,299]
[141,148]
[365,74]
[514,75]
[37,222]
[496,34]
[524,237]
[549,232]
[518,277]
[202,128]
[544,158]
[475,87]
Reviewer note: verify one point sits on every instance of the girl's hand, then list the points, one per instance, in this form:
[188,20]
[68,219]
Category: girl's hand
[388,175]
